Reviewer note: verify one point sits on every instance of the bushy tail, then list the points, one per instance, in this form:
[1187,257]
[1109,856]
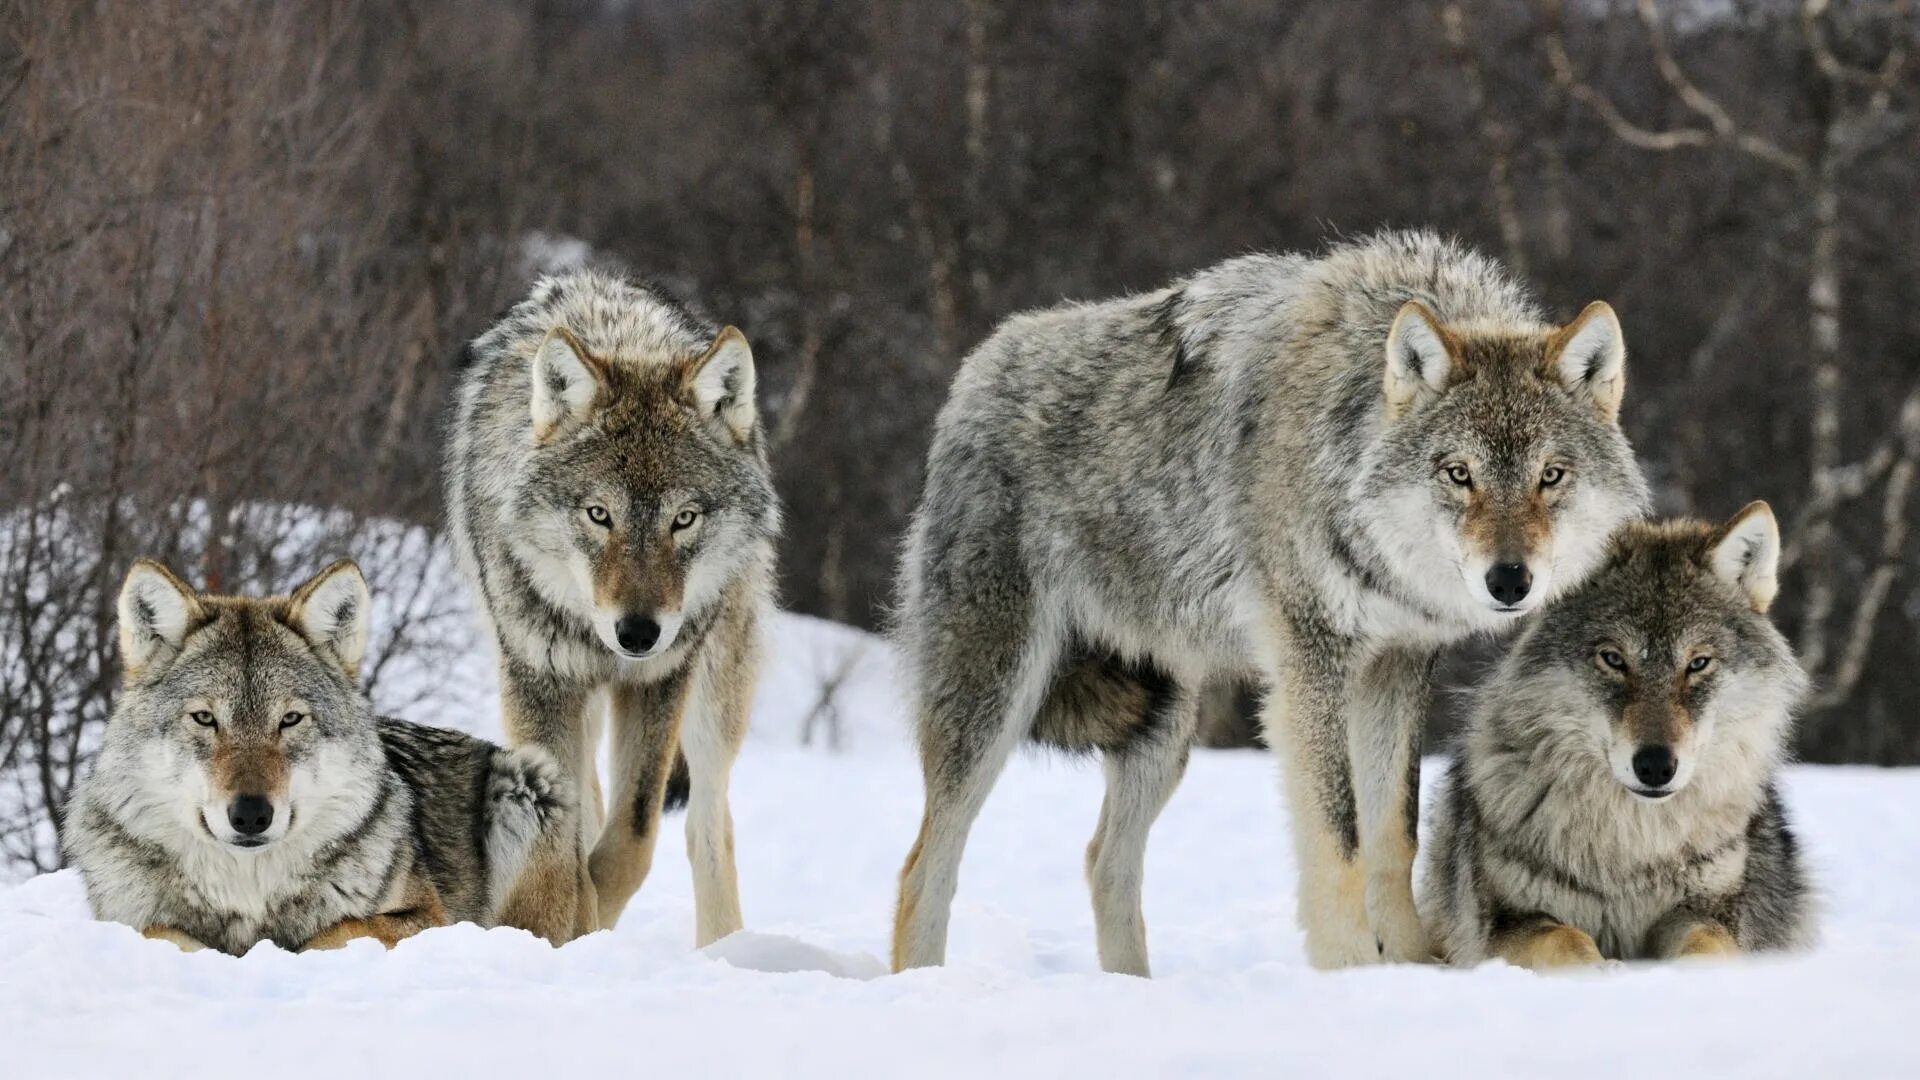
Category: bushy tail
[527,797]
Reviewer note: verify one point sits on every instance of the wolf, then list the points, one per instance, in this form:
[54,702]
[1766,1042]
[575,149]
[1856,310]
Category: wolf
[1614,794]
[1315,471]
[246,792]
[609,496]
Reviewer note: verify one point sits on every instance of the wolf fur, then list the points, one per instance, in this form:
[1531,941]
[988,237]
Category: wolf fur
[609,496]
[245,791]
[1301,469]
[1560,838]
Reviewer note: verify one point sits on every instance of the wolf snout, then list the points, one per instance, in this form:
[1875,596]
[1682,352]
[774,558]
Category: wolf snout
[1509,583]
[250,815]
[636,633]
[1655,766]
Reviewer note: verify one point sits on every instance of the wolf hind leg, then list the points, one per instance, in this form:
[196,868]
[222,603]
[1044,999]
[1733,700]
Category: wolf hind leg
[1141,777]
[977,698]
[528,798]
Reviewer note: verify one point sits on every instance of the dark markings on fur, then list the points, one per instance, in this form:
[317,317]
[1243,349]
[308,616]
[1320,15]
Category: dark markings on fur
[1164,318]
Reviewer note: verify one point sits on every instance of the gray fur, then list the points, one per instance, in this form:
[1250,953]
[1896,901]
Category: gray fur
[374,817]
[1537,825]
[1210,479]
[563,493]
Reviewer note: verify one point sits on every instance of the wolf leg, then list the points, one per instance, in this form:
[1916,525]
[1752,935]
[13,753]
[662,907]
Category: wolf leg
[421,910]
[1305,722]
[646,723]
[1386,717]
[1140,779]
[553,896]
[1690,935]
[977,699]
[710,738]
[1543,944]
[181,939]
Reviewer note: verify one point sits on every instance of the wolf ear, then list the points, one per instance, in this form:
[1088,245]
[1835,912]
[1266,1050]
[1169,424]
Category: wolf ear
[156,610]
[566,381]
[1590,356]
[1421,356]
[331,612]
[721,382]
[1746,552]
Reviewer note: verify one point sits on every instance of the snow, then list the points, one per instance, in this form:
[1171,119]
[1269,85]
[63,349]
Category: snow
[804,991]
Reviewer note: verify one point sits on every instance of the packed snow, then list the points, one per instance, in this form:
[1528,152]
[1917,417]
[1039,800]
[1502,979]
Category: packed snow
[804,990]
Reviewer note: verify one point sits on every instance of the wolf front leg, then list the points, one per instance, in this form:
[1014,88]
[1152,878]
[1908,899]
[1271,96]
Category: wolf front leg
[553,896]
[1305,722]
[179,938]
[1543,943]
[710,738]
[421,910]
[1386,718]
[646,727]
[1688,934]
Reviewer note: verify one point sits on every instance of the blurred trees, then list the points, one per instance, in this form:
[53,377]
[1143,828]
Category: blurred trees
[240,244]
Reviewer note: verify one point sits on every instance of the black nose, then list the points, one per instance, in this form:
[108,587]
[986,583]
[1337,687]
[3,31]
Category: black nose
[250,814]
[1509,582]
[636,633]
[1655,765]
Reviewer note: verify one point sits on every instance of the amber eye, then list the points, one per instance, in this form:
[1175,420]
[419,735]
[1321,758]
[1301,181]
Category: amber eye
[291,719]
[685,519]
[1613,660]
[1699,664]
[203,718]
[1460,474]
[599,516]
[1551,475]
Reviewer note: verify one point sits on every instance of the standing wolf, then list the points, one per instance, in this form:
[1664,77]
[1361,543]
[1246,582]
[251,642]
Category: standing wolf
[246,792]
[1317,471]
[1614,794]
[609,496]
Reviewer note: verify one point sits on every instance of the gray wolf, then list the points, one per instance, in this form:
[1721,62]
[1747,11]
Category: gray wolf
[1314,471]
[246,792]
[608,493]
[1613,796]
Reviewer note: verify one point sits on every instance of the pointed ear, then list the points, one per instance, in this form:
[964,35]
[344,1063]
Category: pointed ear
[1589,355]
[566,383]
[156,610]
[1746,552]
[331,612]
[1421,357]
[721,382]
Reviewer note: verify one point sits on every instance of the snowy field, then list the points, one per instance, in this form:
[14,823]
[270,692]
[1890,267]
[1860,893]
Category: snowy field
[803,991]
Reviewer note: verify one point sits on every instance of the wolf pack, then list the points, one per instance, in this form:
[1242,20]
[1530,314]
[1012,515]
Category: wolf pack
[1314,471]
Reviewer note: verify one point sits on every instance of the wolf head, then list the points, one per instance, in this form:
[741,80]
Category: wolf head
[1502,467]
[239,721]
[646,486]
[1663,669]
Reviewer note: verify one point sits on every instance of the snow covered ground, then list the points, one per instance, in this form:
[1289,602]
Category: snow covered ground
[802,992]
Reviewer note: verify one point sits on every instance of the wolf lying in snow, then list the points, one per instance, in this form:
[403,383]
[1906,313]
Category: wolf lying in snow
[246,792]
[1614,794]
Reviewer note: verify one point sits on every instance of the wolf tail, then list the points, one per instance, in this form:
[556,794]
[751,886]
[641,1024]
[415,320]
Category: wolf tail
[527,797]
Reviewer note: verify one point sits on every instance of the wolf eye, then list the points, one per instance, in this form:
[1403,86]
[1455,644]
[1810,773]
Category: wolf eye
[1699,664]
[685,519]
[599,516]
[1613,660]
[203,718]
[291,719]
[1551,475]
[1460,474]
